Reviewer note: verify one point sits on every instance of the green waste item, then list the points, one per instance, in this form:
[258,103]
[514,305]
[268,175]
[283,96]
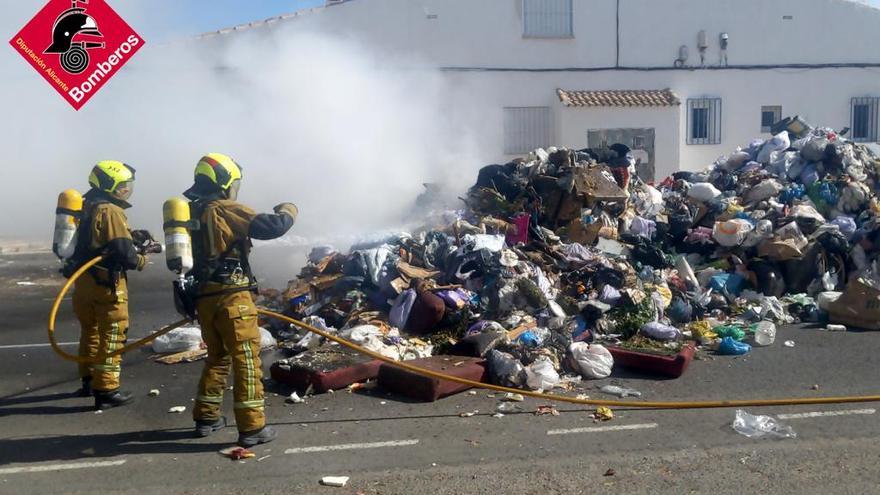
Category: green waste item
[735,332]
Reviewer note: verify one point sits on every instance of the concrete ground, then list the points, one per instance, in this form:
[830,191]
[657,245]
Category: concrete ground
[52,442]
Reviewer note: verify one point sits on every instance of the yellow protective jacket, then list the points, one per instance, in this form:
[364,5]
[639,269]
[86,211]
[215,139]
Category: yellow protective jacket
[222,243]
[104,230]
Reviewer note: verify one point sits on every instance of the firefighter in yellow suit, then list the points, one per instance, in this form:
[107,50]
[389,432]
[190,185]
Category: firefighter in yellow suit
[224,302]
[100,298]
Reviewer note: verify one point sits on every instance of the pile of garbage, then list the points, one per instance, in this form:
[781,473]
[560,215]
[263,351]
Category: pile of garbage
[564,262]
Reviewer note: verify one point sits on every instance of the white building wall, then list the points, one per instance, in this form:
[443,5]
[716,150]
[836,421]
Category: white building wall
[819,31]
[819,96]
[489,33]
[486,35]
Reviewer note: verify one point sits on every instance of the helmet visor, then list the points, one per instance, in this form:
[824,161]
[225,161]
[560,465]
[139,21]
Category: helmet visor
[124,190]
[232,193]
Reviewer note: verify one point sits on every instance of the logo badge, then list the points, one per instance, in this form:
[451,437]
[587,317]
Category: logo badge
[77,46]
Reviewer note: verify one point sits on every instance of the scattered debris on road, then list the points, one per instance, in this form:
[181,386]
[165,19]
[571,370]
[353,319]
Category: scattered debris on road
[335,481]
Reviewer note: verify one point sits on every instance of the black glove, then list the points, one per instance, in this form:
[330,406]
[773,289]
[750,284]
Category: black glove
[144,242]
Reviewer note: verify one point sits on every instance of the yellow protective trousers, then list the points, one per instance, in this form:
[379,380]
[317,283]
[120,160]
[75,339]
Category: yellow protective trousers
[232,334]
[103,319]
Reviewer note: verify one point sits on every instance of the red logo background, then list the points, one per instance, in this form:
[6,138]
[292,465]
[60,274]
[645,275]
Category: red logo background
[37,36]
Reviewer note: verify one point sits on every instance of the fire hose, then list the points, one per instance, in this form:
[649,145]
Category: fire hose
[442,376]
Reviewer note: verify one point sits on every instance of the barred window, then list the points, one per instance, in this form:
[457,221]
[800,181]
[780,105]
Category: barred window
[704,121]
[770,116]
[864,119]
[548,18]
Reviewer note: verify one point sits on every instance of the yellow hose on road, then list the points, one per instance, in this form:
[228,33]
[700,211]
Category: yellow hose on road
[463,381]
[574,400]
[53,314]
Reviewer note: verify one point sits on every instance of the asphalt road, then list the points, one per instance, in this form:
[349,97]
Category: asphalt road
[52,442]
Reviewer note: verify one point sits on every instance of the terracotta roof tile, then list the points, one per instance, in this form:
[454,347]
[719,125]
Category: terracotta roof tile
[619,98]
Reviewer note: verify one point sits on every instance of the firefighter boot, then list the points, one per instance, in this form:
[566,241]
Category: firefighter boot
[86,389]
[205,427]
[252,438]
[111,399]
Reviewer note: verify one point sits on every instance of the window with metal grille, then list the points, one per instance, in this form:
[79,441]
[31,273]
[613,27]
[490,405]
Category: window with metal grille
[548,19]
[864,119]
[526,128]
[770,116]
[704,121]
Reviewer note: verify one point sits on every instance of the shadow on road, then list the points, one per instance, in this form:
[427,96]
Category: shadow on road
[5,410]
[77,447]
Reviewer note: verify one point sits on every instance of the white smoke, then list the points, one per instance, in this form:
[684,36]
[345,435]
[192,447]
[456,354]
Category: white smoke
[315,120]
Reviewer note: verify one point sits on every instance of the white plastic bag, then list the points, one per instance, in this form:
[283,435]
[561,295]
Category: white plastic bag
[360,333]
[732,232]
[179,340]
[779,142]
[312,340]
[267,341]
[594,361]
[649,201]
[758,426]
[659,331]
[704,192]
[541,375]
[764,190]
[763,231]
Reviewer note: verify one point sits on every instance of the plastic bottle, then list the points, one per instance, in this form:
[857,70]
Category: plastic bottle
[765,333]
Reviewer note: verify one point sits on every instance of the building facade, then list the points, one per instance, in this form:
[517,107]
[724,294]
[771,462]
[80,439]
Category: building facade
[679,81]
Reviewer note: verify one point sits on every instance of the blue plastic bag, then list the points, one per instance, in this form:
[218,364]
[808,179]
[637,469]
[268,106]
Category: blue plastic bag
[846,225]
[530,339]
[734,283]
[730,347]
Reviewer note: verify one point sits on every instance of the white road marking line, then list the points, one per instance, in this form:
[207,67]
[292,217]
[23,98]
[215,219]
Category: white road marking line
[27,346]
[61,467]
[599,429]
[824,414]
[351,446]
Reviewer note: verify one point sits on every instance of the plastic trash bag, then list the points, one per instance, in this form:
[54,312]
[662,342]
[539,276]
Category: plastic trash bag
[660,331]
[621,392]
[846,225]
[680,311]
[763,191]
[505,369]
[643,227]
[765,333]
[266,339]
[594,361]
[179,340]
[703,192]
[779,142]
[732,283]
[814,149]
[361,333]
[493,243]
[730,347]
[541,375]
[732,232]
[610,295]
[649,201]
[760,426]
[737,160]
[763,231]
[735,332]
[312,340]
